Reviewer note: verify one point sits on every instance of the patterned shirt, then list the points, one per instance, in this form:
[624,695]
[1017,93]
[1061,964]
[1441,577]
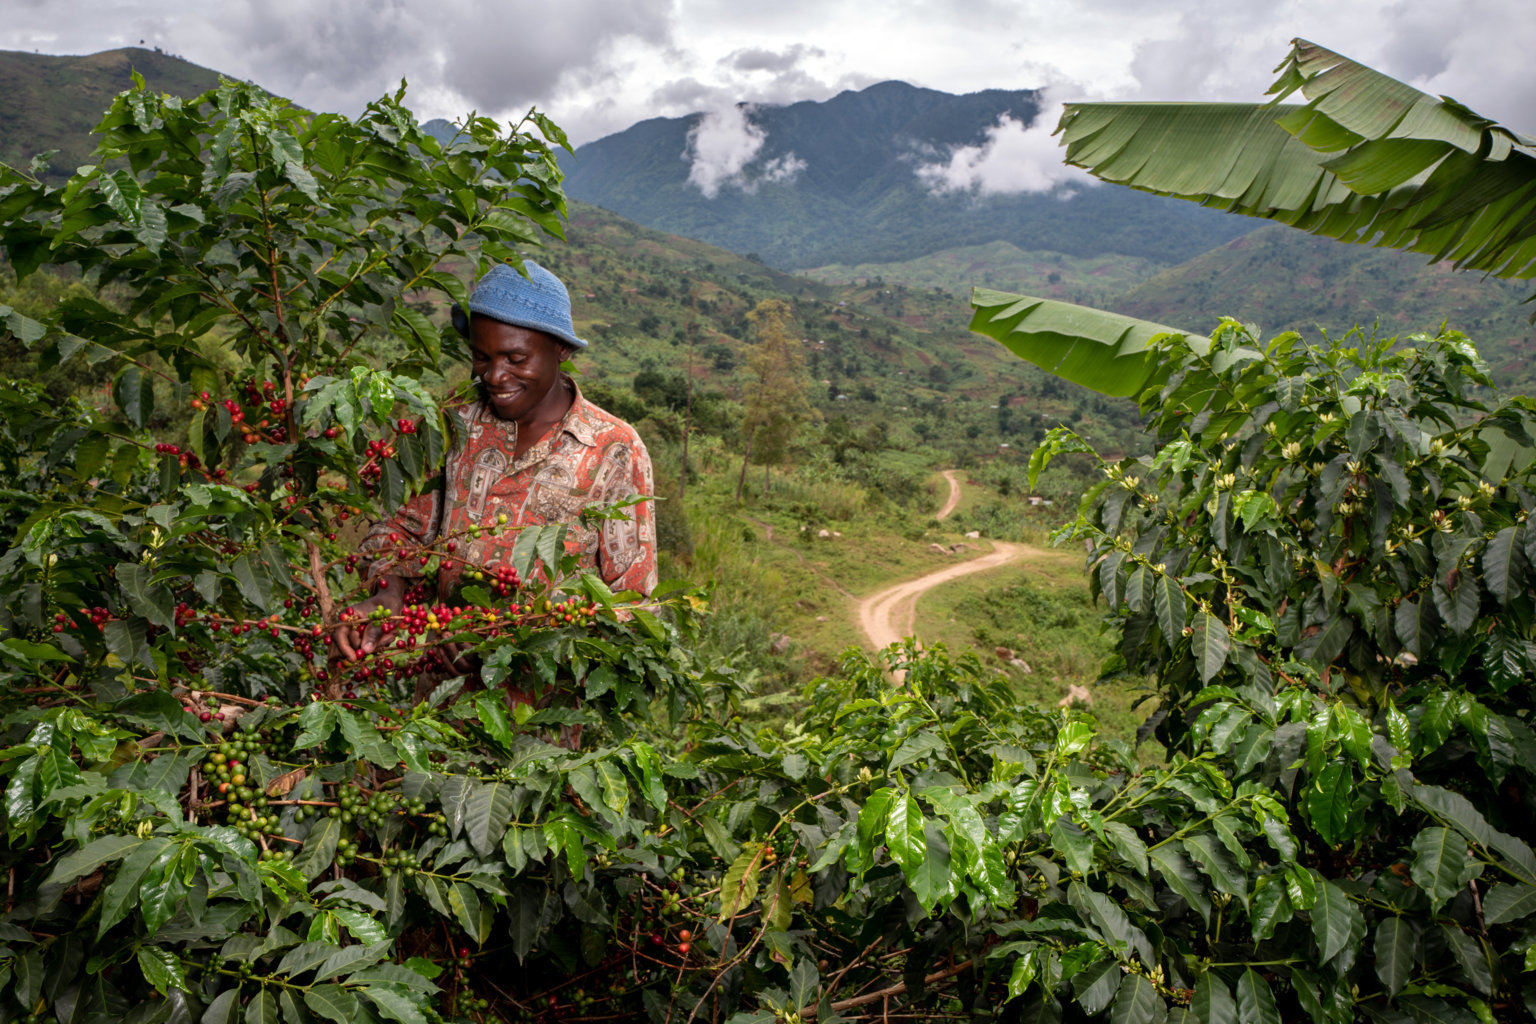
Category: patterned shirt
[591,458]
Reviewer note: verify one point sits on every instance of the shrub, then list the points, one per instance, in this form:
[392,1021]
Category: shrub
[1327,569]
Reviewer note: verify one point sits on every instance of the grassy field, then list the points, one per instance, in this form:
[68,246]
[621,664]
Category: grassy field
[780,587]
[1041,614]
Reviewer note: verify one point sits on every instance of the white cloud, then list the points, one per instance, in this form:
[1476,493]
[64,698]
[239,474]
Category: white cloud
[1014,158]
[783,169]
[720,146]
[602,65]
[721,149]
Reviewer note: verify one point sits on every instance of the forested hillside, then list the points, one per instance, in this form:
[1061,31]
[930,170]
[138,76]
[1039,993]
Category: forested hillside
[1283,279]
[52,103]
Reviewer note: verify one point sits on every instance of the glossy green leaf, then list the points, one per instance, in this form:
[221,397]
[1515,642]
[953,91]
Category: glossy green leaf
[1181,877]
[122,894]
[931,877]
[393,1005]
[1096,986]
[1441,864]
[262,1009]
[162,969]
[1336,922]
[1395,949]
[1128,844]
[486,815]
[319,848]
[1206,851]
[1506,902]
[904,833]
[92,856]
[1255,1001]
[455,795]
[153,602]
[1500,566]
[1330,803]
[1366,159]
[1103,351]
[1271,905]
[224,1008]
[1210,645]
[1168,598]
[1137,1002]
[1212,1002]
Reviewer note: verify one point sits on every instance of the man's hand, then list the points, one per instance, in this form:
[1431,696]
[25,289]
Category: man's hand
[355,636]
[454,659]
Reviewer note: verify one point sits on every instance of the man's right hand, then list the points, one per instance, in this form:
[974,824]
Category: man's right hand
[355,635]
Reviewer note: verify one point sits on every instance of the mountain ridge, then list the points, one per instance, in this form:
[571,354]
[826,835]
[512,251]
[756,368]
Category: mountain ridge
[53,102]
[858,198]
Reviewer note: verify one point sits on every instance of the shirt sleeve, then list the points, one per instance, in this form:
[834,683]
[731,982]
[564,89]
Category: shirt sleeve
[626,549]
[414,524]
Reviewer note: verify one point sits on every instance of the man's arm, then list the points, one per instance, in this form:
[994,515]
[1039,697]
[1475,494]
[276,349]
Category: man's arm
[414,525]
[626,549]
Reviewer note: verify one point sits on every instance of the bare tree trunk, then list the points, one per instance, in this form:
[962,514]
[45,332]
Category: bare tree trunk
[742,480]
[693,324]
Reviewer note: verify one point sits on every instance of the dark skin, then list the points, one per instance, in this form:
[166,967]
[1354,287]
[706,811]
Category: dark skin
[519,374]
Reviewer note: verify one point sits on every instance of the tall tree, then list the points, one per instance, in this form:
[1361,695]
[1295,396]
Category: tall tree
[775,400]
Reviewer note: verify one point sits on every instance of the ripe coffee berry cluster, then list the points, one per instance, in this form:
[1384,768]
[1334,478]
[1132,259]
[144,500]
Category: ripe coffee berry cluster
[204,707]
[97,617]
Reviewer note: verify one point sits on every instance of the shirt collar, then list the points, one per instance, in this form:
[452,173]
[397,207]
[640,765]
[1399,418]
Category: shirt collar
[578,419]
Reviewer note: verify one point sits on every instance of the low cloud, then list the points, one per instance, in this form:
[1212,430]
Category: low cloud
[783,169]
[722,147]
[1015,157]
[778,61]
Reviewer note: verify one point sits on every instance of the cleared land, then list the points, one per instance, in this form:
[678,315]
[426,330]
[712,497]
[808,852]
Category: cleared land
[890,614]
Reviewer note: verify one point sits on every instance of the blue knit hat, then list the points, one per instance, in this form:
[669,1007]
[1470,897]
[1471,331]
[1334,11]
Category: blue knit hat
[538,302]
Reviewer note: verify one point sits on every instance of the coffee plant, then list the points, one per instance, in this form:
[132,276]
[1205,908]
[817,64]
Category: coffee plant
[1326,572]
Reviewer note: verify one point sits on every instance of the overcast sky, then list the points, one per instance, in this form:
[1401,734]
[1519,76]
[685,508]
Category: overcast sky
[598,66]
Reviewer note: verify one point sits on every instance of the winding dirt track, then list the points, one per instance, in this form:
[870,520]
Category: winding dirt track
[888,615]
[953,500]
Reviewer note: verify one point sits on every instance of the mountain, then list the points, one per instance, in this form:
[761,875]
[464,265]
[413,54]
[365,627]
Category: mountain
[52,103]
[836,182]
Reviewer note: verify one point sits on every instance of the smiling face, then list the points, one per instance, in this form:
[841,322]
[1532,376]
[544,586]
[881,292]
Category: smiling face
[518,369]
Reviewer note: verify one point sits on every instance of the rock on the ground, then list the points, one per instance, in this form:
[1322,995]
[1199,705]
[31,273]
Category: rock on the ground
[939,548]
[779,643]
[824,534]
[1021,665]
[1005,653]
[974,535]
[1075,693]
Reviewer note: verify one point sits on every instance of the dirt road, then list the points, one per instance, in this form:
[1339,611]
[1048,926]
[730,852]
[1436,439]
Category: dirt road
[953,500]
[888,615]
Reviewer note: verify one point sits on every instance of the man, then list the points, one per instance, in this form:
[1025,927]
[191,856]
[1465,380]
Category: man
[530,451]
